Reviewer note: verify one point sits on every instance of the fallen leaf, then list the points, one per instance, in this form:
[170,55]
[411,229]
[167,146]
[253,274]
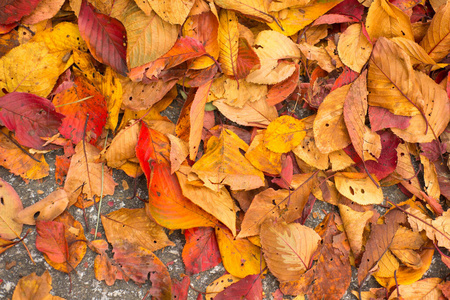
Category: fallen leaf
[52,241]
[249,287]
[359,187]
[134,227]
[201,252]
[288,248]
[220,284]
[354,224]
[239,256]
[228,42]
[223,164]
[284,134]
[35,287]
[46,209]
[10,207]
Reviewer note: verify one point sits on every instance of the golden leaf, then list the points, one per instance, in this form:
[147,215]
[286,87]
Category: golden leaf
[223,164]
[252,8]
[261,157]
[386,20]
[228,41]
[174,11]
[359,188]
[284,134]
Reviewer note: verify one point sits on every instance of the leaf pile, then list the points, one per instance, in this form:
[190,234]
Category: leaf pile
[240,171]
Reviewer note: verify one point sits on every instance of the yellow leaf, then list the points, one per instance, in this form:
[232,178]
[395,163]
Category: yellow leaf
[228,41]
[319,54]
[330,132]
[437,39]
[111,88]
[237,93]
[149,37]
[391,81]
[217,203]
[173,11]
[354,223]
[416,53]
[387,266]
[359,188]
[251,8]
[288,248]
[406,170]
[123,146]
[293,19]
[240,257]
[354,49]
[284,134]
[261,157]
[436,109]
[223,164]
[340,160]
[385,19]
[257,113]
[220,284]
[271,46]
[307,149]
[279,5]
[34,67]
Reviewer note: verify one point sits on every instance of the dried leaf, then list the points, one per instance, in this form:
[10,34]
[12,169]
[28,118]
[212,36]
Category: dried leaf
[10,205]
[174,12]
[354,49]
[288,248]
[228,42]
[35,287]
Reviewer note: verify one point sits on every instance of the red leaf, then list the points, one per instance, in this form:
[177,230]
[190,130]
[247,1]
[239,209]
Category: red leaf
[347,77]
[387,162]
[246,60]
[201,251]
[13,10]
[30,117]
[443,175]
[249,288]
[138,263]
[180,289]
[185,48]
[106,37]
[51,240]
[381,118]
[334,19]
[76,111]
[284,89]
[350,8]
[433,150]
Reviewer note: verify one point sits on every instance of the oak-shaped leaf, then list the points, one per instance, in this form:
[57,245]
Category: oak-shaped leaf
[224,164]
[35,287]
[135,227]
[10,205]
[30,117]
[106,37]
[249,287]
[139,263]
[201,252]
[288,248]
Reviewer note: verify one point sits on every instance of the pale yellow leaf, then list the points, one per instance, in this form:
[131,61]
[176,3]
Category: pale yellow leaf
[173,11]
[359,188]
[354,49]
[252,8]
[354,223]
[416,53]
[44,210]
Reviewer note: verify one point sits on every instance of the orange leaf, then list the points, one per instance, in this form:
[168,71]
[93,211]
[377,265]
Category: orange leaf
[284,134]
[359,188]
[197,117]
[35,287]
[135,227]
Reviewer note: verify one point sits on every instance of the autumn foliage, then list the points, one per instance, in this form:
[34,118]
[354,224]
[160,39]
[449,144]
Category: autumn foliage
[285,104]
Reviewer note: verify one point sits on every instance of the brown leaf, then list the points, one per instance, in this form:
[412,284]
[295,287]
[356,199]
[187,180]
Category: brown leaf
[10,205]
[134,227]
[33,287]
